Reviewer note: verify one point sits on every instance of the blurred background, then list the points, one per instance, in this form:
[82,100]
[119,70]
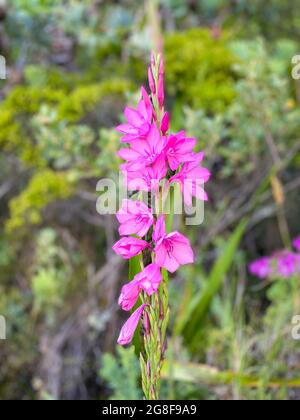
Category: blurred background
[71,67]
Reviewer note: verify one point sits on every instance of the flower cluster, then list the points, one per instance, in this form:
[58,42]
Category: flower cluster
[283,264]
[154,159]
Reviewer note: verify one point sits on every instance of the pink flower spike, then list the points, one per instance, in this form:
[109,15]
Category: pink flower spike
[151,81]
[261,268]
[179,149]
[128,329]
[149,279]
[171,250]
[192,178]
[129,295]
[135,218]
[165,123]
[129,247]
[296,243]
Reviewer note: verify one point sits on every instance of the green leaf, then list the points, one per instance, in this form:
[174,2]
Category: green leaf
[134,269]
[201,303]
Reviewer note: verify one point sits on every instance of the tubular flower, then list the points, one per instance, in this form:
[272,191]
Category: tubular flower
[179,149]
[129,247]
[148,280]
[139,121]
[147,179]
[129,295]
[172,250]
[143,153]
[128,329]
[135,218]
[192,178]
[165,123]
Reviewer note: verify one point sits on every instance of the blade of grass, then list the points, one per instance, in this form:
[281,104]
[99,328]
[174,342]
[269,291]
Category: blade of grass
[196,373]
[202,302]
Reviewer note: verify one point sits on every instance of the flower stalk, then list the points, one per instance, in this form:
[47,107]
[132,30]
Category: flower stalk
[154,160]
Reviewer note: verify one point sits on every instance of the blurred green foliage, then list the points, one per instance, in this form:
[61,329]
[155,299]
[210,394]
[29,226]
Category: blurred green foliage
[123,375]
[202,75]
[44,187]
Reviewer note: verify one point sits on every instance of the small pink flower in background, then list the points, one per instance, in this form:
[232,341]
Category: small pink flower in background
[283,264]
[129,247]
[287,264]
[139,121]
[135,218]
[165,123]
[296,243]
[146,180]
[261,268]
[129,295]
[144,152]
[172,250]
[128,329]
[149,279]
[179,149]
[191,179]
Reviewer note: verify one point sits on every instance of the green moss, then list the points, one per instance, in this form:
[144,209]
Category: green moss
[84,99]
[200,69]
[15,111]
[52,78]
[45,187]
[23,102]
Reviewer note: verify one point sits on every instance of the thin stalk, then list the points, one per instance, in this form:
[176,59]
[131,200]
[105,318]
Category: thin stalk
[156,316]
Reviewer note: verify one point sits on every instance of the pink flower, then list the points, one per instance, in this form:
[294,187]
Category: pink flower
[179,149]
[296,243]
[139,121]
[129,247]
[148,280]
[135,218]
[144,152]
[147,178]
[192,178]
[129,295]
[287,264]
[128,329]
[172,250]
[165,123]
[261,268]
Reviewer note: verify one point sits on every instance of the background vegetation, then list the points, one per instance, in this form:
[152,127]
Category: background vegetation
[72,66]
